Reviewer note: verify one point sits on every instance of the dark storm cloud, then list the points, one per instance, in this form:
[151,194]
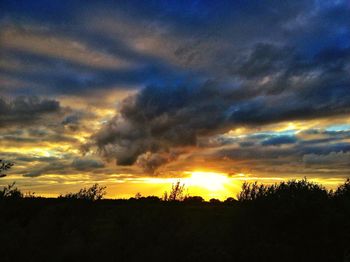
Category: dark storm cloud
[150,162]
[333,158]
[38,139]
[55,165]
[71,119]
[25,110]
[86,164]
[159,118]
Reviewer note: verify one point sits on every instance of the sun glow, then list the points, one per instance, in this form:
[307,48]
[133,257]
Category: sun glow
[208,180]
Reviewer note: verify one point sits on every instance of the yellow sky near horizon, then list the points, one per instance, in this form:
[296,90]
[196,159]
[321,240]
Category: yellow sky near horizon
[206,184]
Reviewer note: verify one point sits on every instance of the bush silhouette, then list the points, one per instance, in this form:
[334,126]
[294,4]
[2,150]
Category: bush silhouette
[214,201]
[148,199]
[177,192]
[93,193]
[343,191]
[230,200]
[285,191]
[193,199]
[10,192]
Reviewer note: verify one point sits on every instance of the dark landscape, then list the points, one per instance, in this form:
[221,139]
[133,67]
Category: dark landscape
[291,221]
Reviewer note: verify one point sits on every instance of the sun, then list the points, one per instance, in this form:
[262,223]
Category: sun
[211,181]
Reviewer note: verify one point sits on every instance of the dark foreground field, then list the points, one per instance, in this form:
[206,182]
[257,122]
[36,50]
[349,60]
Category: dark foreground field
[294,223]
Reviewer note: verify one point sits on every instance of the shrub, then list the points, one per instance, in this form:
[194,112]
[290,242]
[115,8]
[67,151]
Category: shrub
[30,194]
[138,195]
[11,192]
[214,201]
[290,190]
[343,191]
[193,199]
[177,192]
[93,193]
[254,191]
[230,200]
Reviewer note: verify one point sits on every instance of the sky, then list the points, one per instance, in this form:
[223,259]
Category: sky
[136,95]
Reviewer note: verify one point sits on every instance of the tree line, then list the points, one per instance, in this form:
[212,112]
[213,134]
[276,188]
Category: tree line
[295,220]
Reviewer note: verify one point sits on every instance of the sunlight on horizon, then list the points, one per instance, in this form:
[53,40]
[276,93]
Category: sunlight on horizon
[211,184]
[207,184]
[209,180]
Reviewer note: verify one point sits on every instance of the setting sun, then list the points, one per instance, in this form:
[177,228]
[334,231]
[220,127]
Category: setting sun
[210,184]
[209,180]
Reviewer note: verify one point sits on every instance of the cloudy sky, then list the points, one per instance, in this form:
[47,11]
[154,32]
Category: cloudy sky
[137,94]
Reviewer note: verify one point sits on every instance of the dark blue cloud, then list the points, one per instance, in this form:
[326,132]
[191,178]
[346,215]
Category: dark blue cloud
[59,76]
[279,140]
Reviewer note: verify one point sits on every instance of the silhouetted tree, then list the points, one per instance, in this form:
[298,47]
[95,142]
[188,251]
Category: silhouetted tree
[214,201]
[230,200]
[177,192]
[138,195]
[149,199]
[30,194]
[193,199]
[4,166]
[343,191]
[93,193]
[10,192]
[290,190]
[253,191]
